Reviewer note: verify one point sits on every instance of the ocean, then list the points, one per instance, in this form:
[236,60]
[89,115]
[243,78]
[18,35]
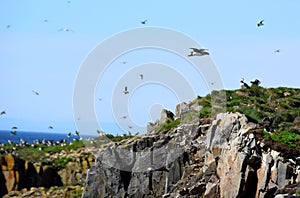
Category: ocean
[32,136]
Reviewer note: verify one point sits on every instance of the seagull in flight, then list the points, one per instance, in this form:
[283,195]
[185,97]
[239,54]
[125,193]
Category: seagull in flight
[126,90]
[8,26]
[123,117]
[124,62]
[50,127]
[144,22]
[277,51]
[198,52]
[36,93]
[76,133]
[65,30]
[141,76]
[13,132]
[14,128]
[2,113]
[261,23]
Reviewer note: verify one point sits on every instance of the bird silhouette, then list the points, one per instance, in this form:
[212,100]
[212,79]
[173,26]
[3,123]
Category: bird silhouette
[123,117]
[50,127]
[144,22]
[45,21]
[14,128]
[277,51]
[255,83]
[36,93]
[2,113]
[243,84]
[141,76]
[198,52]
[8,26]
[261,23]
[124,62]
[76,133]
[13,132]
[126,90]
[65,30]
[69,135]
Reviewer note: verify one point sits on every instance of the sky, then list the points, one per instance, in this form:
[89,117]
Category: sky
[44,46]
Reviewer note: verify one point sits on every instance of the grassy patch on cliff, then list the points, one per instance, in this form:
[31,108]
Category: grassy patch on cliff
[258,103]
[169,124]
[37,153]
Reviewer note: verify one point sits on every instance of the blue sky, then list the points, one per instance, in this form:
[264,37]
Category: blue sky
[34,55]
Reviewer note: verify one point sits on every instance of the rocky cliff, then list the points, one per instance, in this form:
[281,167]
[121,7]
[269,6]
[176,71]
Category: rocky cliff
[18,176]
[220,156]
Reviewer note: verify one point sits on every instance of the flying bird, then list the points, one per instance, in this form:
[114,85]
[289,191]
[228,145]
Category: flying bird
[124,62]
[14,128]
[36,93]
[141,76]
[130,127]
[277,51]
[50,127]
[65,30]
[2,113]
[144,22]
[45,21]
[8,26]
[261,23]
[13,132]
[198,52]
[123,117]
[69,135]
[126,90]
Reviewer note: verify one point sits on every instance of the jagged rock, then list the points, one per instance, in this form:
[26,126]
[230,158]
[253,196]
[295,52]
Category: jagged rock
[17,174]
[222,160]
[165,115]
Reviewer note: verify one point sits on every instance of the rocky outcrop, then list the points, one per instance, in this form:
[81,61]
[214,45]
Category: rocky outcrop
[224,158]
[17,174]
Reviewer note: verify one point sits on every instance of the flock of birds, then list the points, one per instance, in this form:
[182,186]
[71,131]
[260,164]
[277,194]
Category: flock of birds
[194,52]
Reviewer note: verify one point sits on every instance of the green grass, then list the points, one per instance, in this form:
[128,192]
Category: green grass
[285,137]
[37,154]
[61,162]
[169,124]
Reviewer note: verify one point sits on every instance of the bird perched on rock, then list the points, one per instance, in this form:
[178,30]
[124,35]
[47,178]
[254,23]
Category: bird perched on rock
[77,133]
[260,23]
[268,123]
[126,90]
[255,83]
[151,169]
[243,84]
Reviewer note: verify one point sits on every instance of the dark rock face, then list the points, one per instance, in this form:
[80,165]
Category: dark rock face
[222,160]
[17,174]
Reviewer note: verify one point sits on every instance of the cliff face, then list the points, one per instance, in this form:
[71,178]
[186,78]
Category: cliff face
[17,174]
[221,157]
